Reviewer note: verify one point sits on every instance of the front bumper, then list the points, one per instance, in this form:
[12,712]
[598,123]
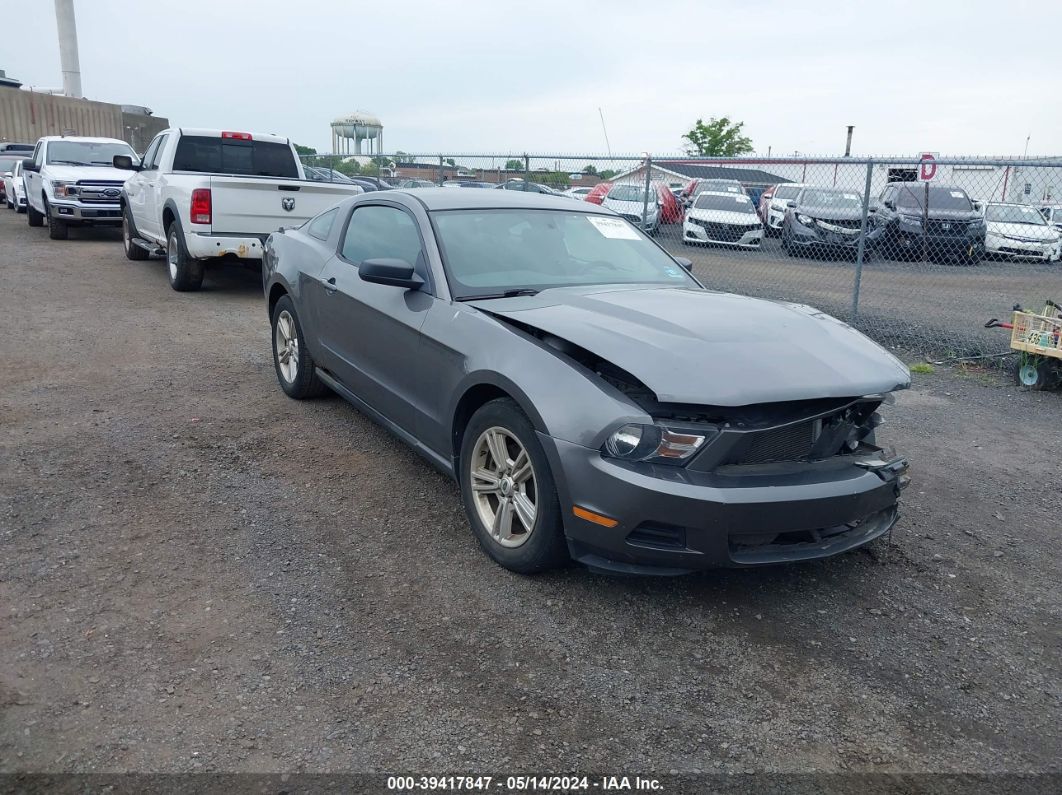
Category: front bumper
[694,233]
[75,212]
[202,246]
[1022,249]
[913,242]
[673,520]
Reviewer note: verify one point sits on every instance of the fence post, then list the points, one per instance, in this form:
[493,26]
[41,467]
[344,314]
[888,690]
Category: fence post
[527,171]
[645,199]
[861,251]
[441,178]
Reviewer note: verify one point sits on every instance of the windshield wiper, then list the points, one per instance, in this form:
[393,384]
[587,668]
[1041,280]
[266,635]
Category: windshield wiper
[69,162]
[504,294]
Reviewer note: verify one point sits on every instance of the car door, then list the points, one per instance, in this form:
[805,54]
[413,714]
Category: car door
[142,190]
[369,334]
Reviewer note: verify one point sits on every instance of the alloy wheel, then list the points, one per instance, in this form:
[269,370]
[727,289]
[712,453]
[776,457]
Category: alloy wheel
[172,256]
[504,487]
[286,340]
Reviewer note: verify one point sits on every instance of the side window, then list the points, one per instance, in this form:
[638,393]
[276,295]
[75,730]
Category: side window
[378,232]
[38,154]
[321,226]
[148,163]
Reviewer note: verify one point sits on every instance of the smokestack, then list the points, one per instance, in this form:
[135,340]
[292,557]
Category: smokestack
[64,21]
[847,143]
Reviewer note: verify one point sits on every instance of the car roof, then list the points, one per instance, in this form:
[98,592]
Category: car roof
[83,139]
[447,199]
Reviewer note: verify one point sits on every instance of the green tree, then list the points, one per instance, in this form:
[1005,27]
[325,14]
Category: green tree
[591,170]
[514,165]
[718,138]
[450,162]
[307,155]
[607,174]
[304,150]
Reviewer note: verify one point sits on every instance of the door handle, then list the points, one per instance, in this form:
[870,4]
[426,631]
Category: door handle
[329,285]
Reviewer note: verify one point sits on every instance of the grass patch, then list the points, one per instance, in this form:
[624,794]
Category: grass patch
[921,367]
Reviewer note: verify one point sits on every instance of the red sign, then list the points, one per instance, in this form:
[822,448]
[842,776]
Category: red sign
[928,169]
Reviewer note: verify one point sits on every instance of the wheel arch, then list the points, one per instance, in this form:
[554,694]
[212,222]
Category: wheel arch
[479,390]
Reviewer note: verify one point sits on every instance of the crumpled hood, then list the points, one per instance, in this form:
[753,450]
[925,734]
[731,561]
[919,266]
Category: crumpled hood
[74,173]
[702,347]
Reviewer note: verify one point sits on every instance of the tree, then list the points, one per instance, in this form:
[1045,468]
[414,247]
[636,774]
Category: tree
[514,165]
[450,162]
[607,174]
[305,150]
[590,170]
[718,138]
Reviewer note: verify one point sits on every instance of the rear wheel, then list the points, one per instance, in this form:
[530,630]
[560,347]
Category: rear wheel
[293,361]
[132,250]
[185,273]
[508,491]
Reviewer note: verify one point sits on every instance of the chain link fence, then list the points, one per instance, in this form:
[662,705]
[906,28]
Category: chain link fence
[917,252]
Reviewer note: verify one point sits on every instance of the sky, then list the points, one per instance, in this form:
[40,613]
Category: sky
[494,76]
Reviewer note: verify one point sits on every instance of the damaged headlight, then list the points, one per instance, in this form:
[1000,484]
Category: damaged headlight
[656,443]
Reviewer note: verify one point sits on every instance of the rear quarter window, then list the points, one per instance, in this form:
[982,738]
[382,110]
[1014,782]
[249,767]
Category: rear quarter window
[206,155]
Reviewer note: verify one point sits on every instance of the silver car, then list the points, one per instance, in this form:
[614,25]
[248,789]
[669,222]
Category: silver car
[635,204]
[593,400]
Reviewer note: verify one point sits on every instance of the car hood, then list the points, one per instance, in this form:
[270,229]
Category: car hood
[631,208]
[830,213]
[940,214]
[1029,231]
[701,347]
[724,217]
[75,173]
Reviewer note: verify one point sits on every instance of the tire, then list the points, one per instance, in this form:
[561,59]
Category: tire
[33,218]
[297,373]
[132,250]
[185,274]
[57,230]
[19,209]
[532,501]
[1037,374]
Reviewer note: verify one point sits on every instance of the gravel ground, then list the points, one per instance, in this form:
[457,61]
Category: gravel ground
[197,574]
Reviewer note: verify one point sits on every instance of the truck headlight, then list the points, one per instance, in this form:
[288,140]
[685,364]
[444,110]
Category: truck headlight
[911,220]
[63,188]
[655,443]
[806,220]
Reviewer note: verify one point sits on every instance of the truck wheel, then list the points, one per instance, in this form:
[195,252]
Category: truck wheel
[132,250]
[33,217]
[57,230]
[185,273]
[294,364]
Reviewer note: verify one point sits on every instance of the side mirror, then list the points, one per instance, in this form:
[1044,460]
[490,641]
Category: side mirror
[124,162]
[791,204]
[978,206]
[685,263]
[29,165]
[392,272]
[889,205]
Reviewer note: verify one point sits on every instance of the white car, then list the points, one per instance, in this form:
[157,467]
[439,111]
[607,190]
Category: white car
[774,212]
[1019,231]
[1052,213]
[723,218]
[71,181]
[631,201]
[578,193]
[14,188]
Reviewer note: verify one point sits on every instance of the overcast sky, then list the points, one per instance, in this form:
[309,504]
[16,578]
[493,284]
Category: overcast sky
[497,76]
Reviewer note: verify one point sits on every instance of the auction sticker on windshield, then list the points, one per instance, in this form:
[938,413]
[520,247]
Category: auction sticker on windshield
[613,227]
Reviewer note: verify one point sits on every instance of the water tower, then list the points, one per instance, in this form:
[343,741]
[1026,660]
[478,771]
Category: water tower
[358,126]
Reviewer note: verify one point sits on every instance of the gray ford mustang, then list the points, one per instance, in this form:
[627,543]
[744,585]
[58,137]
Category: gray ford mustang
[593,400]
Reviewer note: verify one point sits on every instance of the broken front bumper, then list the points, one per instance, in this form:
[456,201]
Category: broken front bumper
[672,520]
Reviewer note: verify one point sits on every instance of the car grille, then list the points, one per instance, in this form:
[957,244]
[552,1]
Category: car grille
[946,228]
[726,233]
[789,443]
[94,191]
[845,225]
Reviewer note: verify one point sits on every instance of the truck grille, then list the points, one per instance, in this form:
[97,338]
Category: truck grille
[99,191]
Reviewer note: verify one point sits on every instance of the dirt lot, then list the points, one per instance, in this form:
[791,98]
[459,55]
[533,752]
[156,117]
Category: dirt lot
[197,573]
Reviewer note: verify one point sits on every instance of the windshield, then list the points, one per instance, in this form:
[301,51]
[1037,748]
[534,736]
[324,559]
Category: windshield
[720,186]
[8,163]
[728,203]
[87,153]
[1014,214]
[787,191]
[627,193]
[488,252]
[834,199]
[914,195]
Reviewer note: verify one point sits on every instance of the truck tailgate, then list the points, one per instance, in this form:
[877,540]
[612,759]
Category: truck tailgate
[260,205]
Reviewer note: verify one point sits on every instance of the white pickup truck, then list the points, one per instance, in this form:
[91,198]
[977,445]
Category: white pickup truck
[201,194]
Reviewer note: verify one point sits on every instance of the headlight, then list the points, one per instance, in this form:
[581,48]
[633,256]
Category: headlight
[806,220]
[655,443]
[62,188]
[912,220]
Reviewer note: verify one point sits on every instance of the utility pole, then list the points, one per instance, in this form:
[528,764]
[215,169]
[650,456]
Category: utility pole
[848,141]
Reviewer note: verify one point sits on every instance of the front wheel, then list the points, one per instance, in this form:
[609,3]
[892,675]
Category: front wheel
[33,218]
[57,229]
[132,250]
[508,491]
[185,273]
